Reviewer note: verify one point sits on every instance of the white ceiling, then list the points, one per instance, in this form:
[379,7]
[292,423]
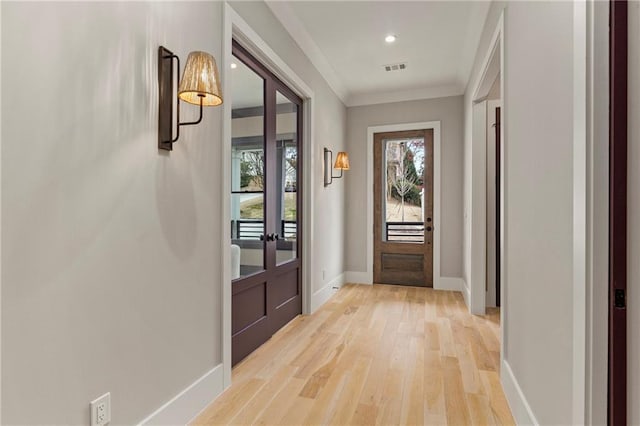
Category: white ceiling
[345,41]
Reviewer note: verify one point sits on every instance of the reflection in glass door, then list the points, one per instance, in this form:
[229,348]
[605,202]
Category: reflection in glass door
[287,176]
[247,171]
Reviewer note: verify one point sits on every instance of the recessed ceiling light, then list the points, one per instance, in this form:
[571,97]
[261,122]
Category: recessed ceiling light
[234,65]
[390,38]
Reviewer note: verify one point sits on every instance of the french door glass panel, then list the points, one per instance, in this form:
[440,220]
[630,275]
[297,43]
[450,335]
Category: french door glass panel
[403,186]
[247,170]
[287,178]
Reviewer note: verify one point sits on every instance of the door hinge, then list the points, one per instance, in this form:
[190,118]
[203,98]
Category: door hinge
[619,299]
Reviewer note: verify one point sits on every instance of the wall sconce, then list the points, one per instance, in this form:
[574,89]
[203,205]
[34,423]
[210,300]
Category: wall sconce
[200,85]
[342,163]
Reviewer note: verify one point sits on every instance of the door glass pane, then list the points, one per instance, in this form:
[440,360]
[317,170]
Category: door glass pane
[247,171]
[404,190]
[286,178]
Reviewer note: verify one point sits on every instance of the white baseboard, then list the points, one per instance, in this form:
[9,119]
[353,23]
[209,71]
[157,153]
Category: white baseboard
[450,283]
[445,283]
[185,406]
[321,296]
[520,408]
[356,277]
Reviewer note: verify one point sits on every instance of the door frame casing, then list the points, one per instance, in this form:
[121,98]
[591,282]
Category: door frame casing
[438,282]
[597,216]
[235,27]
[492,67]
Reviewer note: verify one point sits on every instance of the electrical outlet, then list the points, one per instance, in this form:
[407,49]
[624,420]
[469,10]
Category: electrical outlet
[324,275]
[101,410]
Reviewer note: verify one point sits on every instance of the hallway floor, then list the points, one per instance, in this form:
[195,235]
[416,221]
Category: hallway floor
[377,354]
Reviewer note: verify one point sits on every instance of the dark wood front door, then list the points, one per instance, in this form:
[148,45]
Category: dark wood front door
[403,208]
[618,128]
[498,198]
[266,204]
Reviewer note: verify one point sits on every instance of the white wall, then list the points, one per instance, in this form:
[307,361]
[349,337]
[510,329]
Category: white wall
[329,130]
[110,259]
[449,112]
[539,158]
[538,281]
[633,214]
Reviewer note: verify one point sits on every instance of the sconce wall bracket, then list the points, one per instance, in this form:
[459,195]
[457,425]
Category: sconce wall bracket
[167,95]
[328,172]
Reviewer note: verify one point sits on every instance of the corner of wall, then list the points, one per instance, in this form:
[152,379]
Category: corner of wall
[188,404]
[356,277]
[466,293]
[321,296]
[520,408]
[449,283]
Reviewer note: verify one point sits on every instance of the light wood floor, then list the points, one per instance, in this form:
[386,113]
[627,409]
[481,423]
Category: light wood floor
[373,355]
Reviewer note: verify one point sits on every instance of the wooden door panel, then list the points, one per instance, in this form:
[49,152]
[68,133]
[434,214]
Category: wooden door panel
[402,262]
[411,278]
[618,262]
[286,299]
[249,339]
[254,307]
[401,248]
[249,326]
[285,287]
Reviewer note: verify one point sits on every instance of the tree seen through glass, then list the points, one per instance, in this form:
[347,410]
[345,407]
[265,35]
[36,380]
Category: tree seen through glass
[404,189]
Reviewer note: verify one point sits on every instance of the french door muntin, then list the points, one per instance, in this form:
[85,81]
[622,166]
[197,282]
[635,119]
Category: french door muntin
[267,294]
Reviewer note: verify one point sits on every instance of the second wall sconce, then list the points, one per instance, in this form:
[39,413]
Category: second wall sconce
[342,163]
[200,85]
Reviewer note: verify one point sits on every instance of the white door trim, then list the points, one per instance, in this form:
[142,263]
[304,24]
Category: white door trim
[593,336]
[435,125]
[579,209]
[234,27]
[492,66]
[496,47]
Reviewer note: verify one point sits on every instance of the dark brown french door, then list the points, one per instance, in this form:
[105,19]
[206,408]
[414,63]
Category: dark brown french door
[266,204]
[618,45]
[498,198]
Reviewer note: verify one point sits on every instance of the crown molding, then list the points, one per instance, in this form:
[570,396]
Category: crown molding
[292,24]
[404,95]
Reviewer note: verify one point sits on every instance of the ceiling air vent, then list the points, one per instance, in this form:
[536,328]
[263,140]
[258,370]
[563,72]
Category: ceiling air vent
[396,67]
